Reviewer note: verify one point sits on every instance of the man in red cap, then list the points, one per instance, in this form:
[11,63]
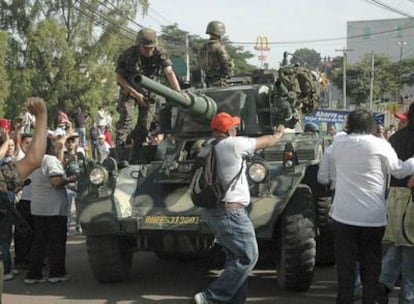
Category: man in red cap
[402,119]
[230,223]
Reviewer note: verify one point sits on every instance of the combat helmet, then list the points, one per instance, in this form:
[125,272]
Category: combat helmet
[147,38]
[216,27]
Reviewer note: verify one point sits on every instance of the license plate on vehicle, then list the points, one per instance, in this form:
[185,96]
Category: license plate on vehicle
[171,220]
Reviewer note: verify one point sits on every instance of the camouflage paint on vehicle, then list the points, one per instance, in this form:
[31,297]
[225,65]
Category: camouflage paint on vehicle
[148,206]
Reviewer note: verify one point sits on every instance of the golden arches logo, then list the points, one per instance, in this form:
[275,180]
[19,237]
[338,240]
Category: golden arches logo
[262,44]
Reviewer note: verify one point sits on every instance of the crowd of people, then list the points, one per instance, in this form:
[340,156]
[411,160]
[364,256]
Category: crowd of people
[370,176]
[45,200]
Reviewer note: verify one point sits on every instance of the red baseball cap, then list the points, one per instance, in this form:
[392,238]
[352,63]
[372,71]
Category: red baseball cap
[408,115]
[402,115]
[223,121]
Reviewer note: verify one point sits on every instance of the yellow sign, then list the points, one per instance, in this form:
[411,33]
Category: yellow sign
[323,81]
[262,44]
[171,220]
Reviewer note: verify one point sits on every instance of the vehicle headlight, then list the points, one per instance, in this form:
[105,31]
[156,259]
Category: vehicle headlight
[257,172]
[98,176]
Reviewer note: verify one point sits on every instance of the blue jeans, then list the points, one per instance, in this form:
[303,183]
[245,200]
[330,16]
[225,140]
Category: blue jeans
[71,199]
[234,231]
[82,136]
[7,261]
[399,259]
[5,241]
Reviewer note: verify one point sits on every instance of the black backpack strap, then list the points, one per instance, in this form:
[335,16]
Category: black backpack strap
[234,178]
[227,187]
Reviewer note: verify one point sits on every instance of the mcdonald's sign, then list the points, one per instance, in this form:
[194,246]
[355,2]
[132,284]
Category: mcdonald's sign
[262,44]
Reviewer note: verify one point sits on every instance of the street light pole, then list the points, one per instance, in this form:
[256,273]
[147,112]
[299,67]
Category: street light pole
[371,87]
[344,51]
[401,44]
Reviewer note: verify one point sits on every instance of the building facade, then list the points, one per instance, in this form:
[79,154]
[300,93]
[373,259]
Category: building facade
[390,37]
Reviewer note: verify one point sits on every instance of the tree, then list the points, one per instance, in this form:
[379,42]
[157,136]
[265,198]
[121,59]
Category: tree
[311,57]
[49,41]
[4,82]
[65,51]
[358,79]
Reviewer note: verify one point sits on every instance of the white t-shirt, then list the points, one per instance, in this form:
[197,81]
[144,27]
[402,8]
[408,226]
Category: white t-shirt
[103,150]
[362,163]
[230,152]
[100,118]
[48,200]
[57,132]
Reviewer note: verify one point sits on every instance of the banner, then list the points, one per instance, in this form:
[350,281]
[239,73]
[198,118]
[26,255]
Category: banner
[324,119]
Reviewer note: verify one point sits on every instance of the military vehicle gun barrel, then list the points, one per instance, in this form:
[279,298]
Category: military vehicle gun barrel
[200,104]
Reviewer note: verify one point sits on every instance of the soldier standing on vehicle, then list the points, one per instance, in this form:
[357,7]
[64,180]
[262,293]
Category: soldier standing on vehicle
[148,59]
[12,175]
[229,222]
[214,58]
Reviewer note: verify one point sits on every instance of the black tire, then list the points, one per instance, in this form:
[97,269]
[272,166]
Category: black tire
[295,256]
[110,257]
[325,241]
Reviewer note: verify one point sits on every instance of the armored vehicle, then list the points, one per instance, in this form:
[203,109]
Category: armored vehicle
[147,206]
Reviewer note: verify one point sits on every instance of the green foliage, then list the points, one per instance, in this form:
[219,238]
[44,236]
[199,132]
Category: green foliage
[50,42]
[4,82]
[311,57]
[386,79]
[65,51]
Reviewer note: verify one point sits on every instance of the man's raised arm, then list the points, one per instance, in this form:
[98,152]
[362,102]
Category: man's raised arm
[36,151]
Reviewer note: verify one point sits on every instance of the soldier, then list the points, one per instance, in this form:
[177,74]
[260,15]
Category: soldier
[146,58]
[213,57]
[12,175]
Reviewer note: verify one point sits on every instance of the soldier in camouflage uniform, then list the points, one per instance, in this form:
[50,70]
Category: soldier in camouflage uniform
[215,62]
[12,174]
[146,58]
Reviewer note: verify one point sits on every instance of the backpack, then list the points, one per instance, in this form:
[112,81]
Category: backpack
[206,189]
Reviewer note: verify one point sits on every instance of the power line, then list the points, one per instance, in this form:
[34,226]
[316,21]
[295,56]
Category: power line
[120,13]
[161,16]
[327,39]
[92,14]
[389,8]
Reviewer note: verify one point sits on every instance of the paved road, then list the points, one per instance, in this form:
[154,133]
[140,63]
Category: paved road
[156,281]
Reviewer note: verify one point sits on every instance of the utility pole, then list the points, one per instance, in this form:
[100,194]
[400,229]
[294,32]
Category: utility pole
[401,44]
[371,87]
[187,58]
[344,51]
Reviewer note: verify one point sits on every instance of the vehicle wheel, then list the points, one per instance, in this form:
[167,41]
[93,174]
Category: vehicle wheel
[110,257]
[325,242]
[295,256]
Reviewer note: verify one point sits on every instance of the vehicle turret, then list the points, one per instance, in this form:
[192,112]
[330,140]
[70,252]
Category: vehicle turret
[198,103]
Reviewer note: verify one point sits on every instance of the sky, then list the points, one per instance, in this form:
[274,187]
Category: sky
[288,25]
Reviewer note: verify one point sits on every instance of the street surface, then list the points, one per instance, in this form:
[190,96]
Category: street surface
[157,281]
